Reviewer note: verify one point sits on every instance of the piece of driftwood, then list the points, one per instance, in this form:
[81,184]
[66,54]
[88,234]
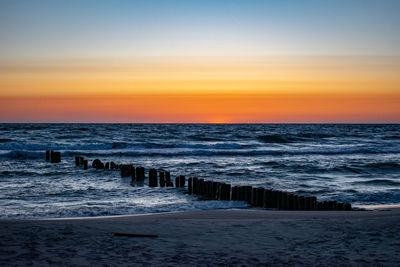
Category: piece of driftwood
[134,235]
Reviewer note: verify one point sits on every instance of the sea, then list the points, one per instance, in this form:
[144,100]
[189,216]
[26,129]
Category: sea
[353,163]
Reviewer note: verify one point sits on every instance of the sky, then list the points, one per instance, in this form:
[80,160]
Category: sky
[200,61]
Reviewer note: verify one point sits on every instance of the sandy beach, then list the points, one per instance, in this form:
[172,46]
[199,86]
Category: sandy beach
[203,238]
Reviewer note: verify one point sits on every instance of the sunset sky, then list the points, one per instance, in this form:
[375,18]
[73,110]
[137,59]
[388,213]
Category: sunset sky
[200,61]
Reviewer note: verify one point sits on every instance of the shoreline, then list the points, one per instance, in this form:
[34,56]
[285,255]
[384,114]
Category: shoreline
[355,208]
[209,237]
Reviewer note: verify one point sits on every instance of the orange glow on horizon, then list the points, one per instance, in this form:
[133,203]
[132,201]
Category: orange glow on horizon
[210,90]
[216,108]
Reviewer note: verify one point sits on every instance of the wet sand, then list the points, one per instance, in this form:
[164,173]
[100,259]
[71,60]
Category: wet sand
[203,238]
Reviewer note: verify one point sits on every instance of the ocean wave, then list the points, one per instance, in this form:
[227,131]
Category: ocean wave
[6,140]
[379,182]
[191,150]
[291,138]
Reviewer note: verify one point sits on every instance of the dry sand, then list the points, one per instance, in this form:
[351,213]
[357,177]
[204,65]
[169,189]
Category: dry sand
[203,238]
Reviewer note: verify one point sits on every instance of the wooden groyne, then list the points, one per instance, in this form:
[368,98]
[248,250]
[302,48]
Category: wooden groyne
[210,190]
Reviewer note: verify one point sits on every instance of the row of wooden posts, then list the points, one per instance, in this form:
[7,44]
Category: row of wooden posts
[53,156]
[213,190]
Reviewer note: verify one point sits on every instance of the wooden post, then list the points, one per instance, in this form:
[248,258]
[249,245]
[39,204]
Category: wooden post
[177,181]
[214,190]
[152,178]
[201,187]
[267,199]
[55,157]
[168,179]
[302,204]
[242,193]
[235,193]
[225,191]
[190,185]
[140,174]
[133,174]
[195,186]
[253,196]
[162,179]
[260,197]
[126,169]
[107,166]
[182,180]
[47,155]
[85,164]
[76,160]
[313,203]
[247,194]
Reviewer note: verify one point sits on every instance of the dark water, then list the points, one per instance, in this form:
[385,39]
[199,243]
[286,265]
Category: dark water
[351,163]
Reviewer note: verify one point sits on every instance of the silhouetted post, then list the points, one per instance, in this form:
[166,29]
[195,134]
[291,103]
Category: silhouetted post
[225,192]
[126,169]
[85,164]
[55,157]
[107,166]
[140,174]
[242,193]
[201,186]
[76,160]
[253,196]
[248,191]
[195,186]
[168,179]
[208,185]
[190,185]
[285,201]
[302,203]
[152,178]
[182,180]
[234,193]
[47,154]
[177,181]
[162,179]
[259,197]
[113,165]
[214,190]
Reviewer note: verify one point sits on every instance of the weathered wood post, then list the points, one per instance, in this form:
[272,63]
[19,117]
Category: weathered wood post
[133,174]
[76,160]
[126,169]
[260,196]
[55,157]
[225,192]
[291,202]
[201,186]
[177,184]
[47,155]
[195,186]
[182,180]
[248,191]
[85,164]
[140,174]
[152,178]
[190,185]
[302,203]
[214,190]
[253,196]
[235,190]
[162,179]
[168,181]
[242,193]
